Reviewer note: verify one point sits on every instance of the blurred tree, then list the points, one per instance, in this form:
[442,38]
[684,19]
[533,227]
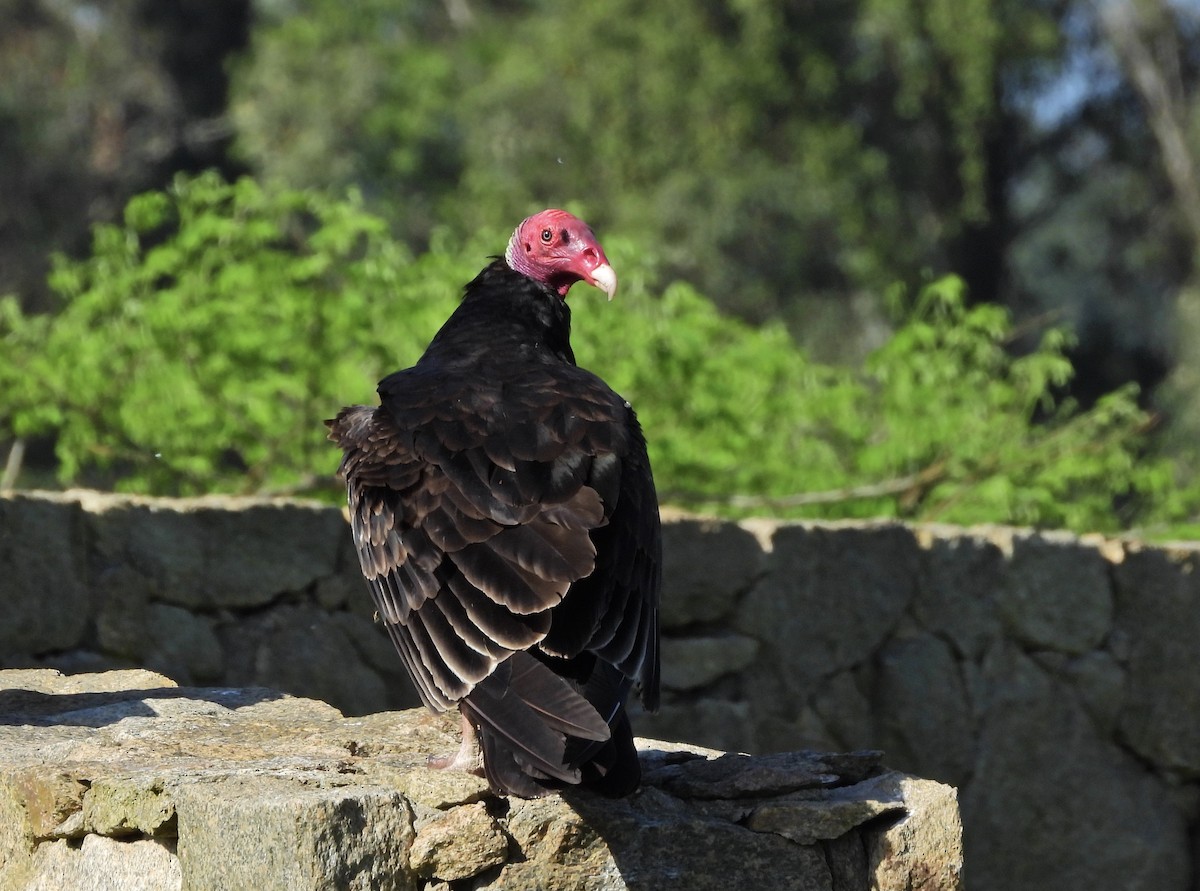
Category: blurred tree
[1098,241]
[790,159]
[234,320]
[329,100]
[787,158]
[1157,45]
[98,102]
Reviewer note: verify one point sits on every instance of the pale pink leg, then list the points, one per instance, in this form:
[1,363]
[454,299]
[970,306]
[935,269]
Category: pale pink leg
[469,756]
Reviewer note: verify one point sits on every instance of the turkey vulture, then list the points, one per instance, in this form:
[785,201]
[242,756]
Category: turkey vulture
[505,517]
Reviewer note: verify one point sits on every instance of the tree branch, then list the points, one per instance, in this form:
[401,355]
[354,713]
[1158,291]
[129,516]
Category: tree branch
[910,487]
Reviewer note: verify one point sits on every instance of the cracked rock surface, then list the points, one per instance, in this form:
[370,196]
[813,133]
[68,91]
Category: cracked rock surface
[122,779]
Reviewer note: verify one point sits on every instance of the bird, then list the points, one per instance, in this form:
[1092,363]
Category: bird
[504,514]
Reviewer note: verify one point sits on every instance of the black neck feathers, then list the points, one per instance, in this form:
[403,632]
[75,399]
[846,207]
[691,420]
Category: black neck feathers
[508,316]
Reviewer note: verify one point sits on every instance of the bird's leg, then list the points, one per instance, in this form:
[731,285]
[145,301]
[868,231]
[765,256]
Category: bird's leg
[469,756]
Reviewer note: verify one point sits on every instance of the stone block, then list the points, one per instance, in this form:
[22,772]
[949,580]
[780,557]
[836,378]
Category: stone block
[42,575]
[182,642]
[1056,593]
[307,652]
[217,552]
[124,599]
[960,577]
[653,840]
[846,710]
[210,789]
[279,833]
[707,565]
[346,586]
[1053,804]
[922,710]
[459,843]
[831,596]
[916,852]
[377,652]
[105,864]
[1158,617]
[691,662]
[1101,684]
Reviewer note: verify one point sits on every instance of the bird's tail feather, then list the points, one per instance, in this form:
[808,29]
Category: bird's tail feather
[555,701]
[525,713]
[613,768]
[609,766]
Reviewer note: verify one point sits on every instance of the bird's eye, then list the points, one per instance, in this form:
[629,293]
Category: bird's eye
[547,235]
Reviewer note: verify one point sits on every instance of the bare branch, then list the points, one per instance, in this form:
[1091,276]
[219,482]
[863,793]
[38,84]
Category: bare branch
[909,487]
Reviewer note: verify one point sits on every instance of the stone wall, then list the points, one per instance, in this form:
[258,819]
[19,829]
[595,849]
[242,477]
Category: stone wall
[1054,680]
[121,780]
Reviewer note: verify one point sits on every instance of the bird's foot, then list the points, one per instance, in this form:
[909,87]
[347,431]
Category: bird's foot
[469,756]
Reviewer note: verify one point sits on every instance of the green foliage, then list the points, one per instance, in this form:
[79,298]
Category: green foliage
[205,339]
[984,429]
[944,423]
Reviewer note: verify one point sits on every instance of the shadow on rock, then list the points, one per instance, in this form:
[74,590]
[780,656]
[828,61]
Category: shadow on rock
[24,704]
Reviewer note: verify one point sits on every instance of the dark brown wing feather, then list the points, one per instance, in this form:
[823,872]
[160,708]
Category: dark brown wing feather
[493,517]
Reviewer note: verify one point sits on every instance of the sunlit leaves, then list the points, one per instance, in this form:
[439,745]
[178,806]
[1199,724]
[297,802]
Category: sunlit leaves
[203,342]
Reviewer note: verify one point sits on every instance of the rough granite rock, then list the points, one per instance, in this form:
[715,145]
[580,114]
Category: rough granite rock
[915,853]
[122,780]
[1035,791]
[707,564]
[801,605]
[103,862]
[459,843]
[1056,594]
[200,553]
[40,549]
[292,824]
[1158,614]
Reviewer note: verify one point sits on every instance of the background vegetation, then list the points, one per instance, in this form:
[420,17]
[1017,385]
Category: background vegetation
[879,257]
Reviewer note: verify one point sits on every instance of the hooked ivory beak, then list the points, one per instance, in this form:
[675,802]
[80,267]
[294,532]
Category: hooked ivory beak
[604,278]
